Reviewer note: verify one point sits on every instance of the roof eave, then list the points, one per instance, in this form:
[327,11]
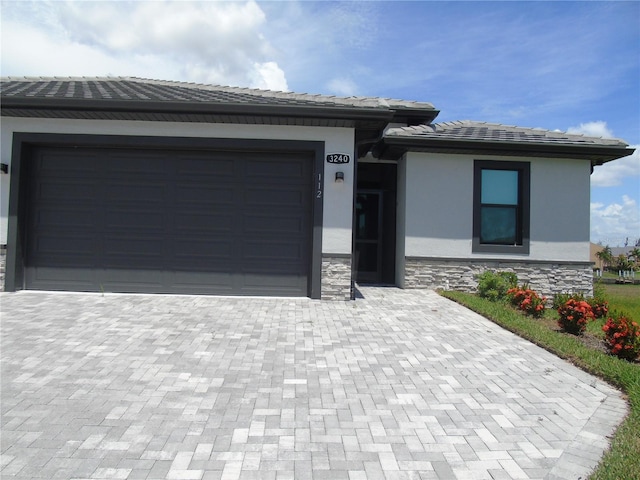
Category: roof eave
[151,106]
[394,147]
[413,117]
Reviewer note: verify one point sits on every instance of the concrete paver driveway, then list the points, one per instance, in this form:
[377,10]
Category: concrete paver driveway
[398,385]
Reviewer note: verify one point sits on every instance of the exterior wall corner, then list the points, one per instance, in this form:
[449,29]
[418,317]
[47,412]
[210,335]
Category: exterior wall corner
[3,265]
[336,277]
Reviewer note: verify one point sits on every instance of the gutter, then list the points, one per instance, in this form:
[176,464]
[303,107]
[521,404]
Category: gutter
[392,147]
[378,114]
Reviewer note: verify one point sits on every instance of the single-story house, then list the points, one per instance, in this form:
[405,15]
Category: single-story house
[135,185]
[595,249]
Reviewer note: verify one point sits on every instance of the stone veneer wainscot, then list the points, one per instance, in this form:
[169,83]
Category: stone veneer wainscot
[336,277]
[3,265]
[545,277]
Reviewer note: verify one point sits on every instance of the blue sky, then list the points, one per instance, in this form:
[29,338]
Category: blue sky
[570,66]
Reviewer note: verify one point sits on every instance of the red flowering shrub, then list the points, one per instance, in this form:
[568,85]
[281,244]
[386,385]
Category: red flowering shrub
[622,336]
[574,315]
[600,308]
[527,300]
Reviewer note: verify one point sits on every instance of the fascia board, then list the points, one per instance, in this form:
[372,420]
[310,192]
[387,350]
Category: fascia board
[337,112]
[596,154]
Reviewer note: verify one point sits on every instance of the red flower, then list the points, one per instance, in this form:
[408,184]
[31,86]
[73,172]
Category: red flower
[622,337]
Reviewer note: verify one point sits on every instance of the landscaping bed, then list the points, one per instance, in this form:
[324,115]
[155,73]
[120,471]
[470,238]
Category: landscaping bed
[587,351]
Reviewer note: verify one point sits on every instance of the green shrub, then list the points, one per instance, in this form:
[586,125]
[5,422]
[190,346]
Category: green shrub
[599,291]
[495,285]
[599,303]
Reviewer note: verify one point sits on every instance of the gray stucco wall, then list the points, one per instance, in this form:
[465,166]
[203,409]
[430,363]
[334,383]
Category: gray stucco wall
[438,212]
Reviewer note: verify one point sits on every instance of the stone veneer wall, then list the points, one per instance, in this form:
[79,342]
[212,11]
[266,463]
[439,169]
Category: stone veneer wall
[3,265]
[336,277]
[546,278]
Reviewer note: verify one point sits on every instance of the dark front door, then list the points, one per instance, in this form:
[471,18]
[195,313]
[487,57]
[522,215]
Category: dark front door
[369,236]
[375,223]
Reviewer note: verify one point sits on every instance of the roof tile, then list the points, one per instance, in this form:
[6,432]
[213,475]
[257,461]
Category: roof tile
[140,89]
[494,132]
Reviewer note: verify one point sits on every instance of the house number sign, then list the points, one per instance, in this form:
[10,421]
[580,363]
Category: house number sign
[319,185]
[338,158]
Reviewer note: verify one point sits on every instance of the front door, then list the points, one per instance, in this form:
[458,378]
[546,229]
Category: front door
[369,236]
[375,223]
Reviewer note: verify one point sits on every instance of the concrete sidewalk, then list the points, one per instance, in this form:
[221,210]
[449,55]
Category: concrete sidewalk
[402,384]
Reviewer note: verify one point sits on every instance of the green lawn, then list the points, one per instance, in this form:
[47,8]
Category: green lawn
[622,461]
[625,298]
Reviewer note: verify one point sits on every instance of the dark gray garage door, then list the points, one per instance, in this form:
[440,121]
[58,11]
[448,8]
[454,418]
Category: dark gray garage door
[126,220]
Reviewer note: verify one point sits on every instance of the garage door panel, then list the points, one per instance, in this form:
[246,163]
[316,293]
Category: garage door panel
[281,161]
[194,167]
[264,223]
[145,264]
[86,263]
[134,245]
[79,217]
[138,164]
[69,243]
[205,253]
[267,283]
[64,278]
[127,220]
[203,195]
[131,193]
[279,171]
[204,283]
[66,163]
[131,280]
[283,196]
[269,249]
[209,223]
[66,191]
[227,222]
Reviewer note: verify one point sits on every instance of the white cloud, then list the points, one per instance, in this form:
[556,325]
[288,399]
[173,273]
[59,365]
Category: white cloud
[212,42]
[269,77]
[592,129]
[611,174]
[612,224]
[343,86]
[29,51]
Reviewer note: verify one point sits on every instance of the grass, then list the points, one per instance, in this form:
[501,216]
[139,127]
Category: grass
[625,298]
[622,460]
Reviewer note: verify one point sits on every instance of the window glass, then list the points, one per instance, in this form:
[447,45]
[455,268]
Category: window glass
[501,204]
[367,215]
[498,225]
[499,187]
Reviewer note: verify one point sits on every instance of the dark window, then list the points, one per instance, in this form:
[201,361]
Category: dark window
[501,207]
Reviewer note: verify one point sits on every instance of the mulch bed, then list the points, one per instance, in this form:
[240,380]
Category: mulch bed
[588,339]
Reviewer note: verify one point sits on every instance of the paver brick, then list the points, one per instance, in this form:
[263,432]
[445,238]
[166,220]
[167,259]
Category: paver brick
[401,384]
